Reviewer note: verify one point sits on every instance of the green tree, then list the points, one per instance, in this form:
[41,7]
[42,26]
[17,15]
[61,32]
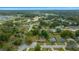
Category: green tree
[4,36]
[44,34]
[35,32]
[77,33]
[55,24]
[67,34]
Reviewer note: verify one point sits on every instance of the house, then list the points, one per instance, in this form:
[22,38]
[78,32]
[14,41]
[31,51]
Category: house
[62,40]
[53,40]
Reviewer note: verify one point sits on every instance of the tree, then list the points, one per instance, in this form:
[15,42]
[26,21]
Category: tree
[72,45]
[65,24]
[43,23]
[4,36]
[58,30]
[67,34]
[35,32]
[44,34]
[77,33]
[54,24]
[77,40]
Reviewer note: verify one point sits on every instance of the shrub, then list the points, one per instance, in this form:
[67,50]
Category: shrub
[28,39]
[9,47]
[37,48]
[17,42]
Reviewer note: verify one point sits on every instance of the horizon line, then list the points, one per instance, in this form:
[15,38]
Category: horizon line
[39,8]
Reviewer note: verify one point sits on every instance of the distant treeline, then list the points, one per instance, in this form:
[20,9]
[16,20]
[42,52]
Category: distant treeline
[65,13]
